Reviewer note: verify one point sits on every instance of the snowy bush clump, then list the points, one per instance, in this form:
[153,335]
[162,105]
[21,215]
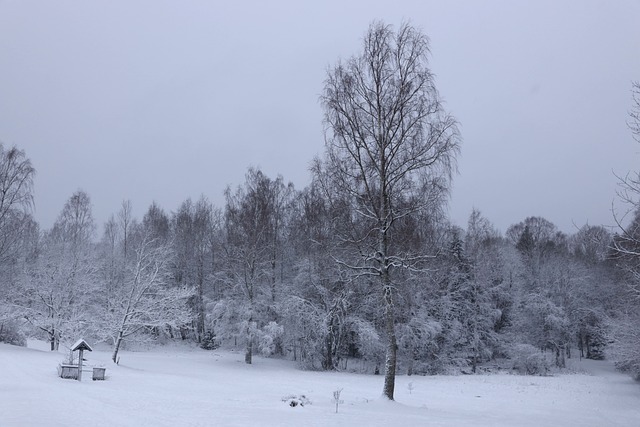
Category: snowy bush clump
[624,344]
[368,341]
[294,400]
[270,336]
[528,360]
[10,334]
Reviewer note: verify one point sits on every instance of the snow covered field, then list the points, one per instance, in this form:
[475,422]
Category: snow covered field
[192,387]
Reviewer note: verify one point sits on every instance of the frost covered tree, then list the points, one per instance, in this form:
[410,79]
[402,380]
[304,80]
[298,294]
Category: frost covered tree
[317,309]
[17,227]
[594,298]
[389,142]
[75,226]
[192,233]
[144,298]
[591,244]
[486,289]
[565,293]
[59,286]
[156,224]
[126,223]
[624,324]
[203,228]
[468,297]
[251,226]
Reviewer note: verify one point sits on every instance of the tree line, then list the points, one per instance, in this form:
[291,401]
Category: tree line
[361,269]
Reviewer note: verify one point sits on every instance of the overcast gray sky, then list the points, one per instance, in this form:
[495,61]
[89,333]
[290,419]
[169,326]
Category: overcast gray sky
[164,100]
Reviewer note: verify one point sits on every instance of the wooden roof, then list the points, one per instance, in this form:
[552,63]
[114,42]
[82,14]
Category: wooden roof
[81,345]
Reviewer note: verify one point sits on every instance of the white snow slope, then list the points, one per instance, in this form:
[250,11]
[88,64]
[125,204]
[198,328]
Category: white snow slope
[192,387]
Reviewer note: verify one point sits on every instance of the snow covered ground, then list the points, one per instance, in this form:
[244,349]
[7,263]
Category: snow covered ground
[191,387]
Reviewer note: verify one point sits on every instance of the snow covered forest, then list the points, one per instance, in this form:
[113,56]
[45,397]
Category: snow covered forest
[361,269]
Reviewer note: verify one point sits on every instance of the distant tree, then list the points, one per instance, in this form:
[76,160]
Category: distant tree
[317,309]
[389,142]
[591,244]
[593,296]
[629,189]
[485,291]
[565,289]
[183,244]
[634,113]
[628,239]
[537,239]
[16,199]
[156,223]
[192,229]
[625,340]
[75,226]
[111,263]
[202,229]
[249,225]
[125,220]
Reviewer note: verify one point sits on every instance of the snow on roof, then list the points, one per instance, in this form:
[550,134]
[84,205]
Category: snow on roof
[81,345]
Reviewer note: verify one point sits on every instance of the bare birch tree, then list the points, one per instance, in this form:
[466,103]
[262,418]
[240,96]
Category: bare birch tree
[16,199]
[625,340]
[125,218]
[16,202]
[629,186]
[389,146]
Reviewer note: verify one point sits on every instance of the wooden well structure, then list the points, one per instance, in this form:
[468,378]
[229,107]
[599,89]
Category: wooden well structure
[80,345]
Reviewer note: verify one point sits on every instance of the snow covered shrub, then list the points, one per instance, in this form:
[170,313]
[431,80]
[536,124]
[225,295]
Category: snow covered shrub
[10,333]
[528,360]
[304,335]
[294,400]
[624,345]
[367,341]
[209,341]
[592,336]
[416,341]
[270,336]
[225,317]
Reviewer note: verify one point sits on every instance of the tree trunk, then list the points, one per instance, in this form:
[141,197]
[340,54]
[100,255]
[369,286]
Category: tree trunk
[248,353]
[201,315]
[560,360]
[327,363]
[390,329]
[580,345]
[116,349]
[273,277]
